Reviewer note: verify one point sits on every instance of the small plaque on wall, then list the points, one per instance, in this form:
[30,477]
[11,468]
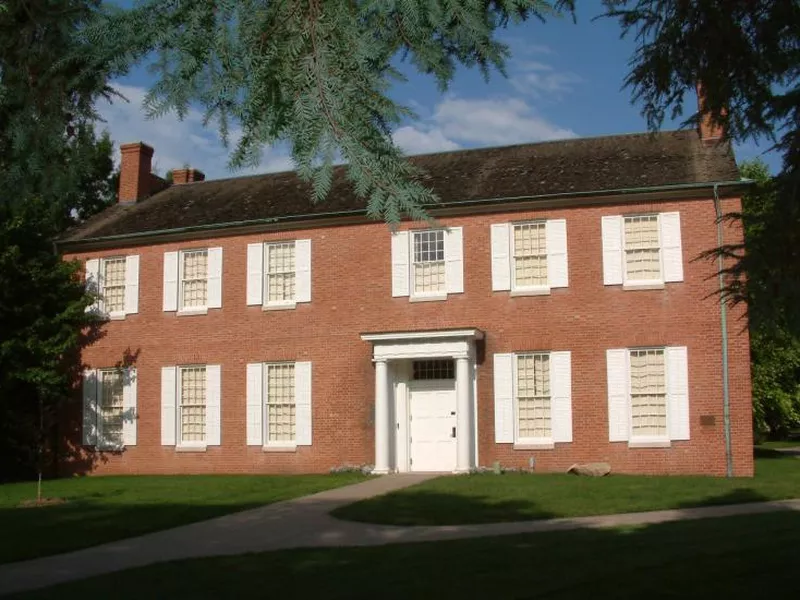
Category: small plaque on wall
[708,420]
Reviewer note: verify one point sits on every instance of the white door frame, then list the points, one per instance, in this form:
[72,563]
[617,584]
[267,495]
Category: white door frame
[392,353]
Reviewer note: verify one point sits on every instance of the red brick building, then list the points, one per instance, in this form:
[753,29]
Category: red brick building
[556,314]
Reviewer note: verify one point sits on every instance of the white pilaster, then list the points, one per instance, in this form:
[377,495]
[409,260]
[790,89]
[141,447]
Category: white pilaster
[463,414]
[381,417]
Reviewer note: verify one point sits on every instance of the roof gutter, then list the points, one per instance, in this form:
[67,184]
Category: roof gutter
[359,212]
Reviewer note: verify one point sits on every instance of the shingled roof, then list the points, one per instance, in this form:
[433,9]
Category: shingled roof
[530,170]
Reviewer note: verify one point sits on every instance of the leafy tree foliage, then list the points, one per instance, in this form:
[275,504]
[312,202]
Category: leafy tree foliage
[746,53]
[311,72]
[53,171]
[775,346]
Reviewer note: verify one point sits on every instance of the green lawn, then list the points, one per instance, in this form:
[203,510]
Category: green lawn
[793,443]
[489,498]
[102,509]
[732,558]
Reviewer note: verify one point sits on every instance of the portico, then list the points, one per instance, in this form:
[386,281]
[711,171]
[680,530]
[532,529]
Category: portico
[425,400]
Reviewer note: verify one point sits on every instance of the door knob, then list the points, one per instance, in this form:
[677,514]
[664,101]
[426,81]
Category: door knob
[454,432]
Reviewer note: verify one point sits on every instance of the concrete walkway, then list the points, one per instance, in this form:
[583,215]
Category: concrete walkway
[305,522]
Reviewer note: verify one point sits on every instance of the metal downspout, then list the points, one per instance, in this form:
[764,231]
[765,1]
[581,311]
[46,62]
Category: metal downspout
[723,319]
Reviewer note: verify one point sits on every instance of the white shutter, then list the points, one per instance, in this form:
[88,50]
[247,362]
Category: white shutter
[168,391]
[213,392]
[501,259]
[400,275]
[504,398]
[170,281]
[93,283]
[132,284]
[255,404]
[302,262]
[129,410]
[302,400]
[214,267]
[618,401]
[677,392]
[454,260]
[561,395]
[557,268]
[671,249]
[612,250]
[255,274]
[90,407]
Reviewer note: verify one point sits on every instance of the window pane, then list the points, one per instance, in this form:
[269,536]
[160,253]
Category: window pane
[111,406]
[429,269]
[648,394]
[533,396]
[114,284]
[642,250]
[195,273]
[280,272]
[530,254]
[433,369]
[281,411]
[193,404]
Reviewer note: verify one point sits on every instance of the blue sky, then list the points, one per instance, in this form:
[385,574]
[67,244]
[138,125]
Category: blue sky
[564,80]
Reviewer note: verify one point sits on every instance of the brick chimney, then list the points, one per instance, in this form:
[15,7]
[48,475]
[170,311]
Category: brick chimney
[187,176]
[710,131]
[134,177]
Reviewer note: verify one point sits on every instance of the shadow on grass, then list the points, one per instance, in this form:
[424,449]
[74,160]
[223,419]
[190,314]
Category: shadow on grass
[735,558]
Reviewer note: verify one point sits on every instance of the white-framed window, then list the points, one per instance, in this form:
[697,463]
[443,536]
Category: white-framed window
[428,267]
[190,406]
[648,387]
[533,398]
[642,250]
[115,282]
[433,369]
[193,280]
[648,395]
[279,274]
[109,407]
[279,405]
[427,264]
[112,287]
[529,257]
[281,409]
[642,243]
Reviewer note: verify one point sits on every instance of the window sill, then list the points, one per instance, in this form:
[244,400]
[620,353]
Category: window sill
[192,312]
[190,448]
[287,306]
[292,448]
[110,448]
[431,298]
[530,292]
[115,316]
[645,285]
[649,444]
[544,445]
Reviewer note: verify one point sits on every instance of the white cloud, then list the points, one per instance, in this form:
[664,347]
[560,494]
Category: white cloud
[413,140]
[178,143]
[541,80]
[495,122]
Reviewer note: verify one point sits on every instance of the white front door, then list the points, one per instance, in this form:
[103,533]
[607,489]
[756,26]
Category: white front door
[432,427]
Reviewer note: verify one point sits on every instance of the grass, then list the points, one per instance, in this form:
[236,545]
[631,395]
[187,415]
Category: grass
[732,558]
[489,498]
[103,509]
[777,444]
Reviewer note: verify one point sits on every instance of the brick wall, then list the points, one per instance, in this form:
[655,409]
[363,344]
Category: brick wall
[351,294]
